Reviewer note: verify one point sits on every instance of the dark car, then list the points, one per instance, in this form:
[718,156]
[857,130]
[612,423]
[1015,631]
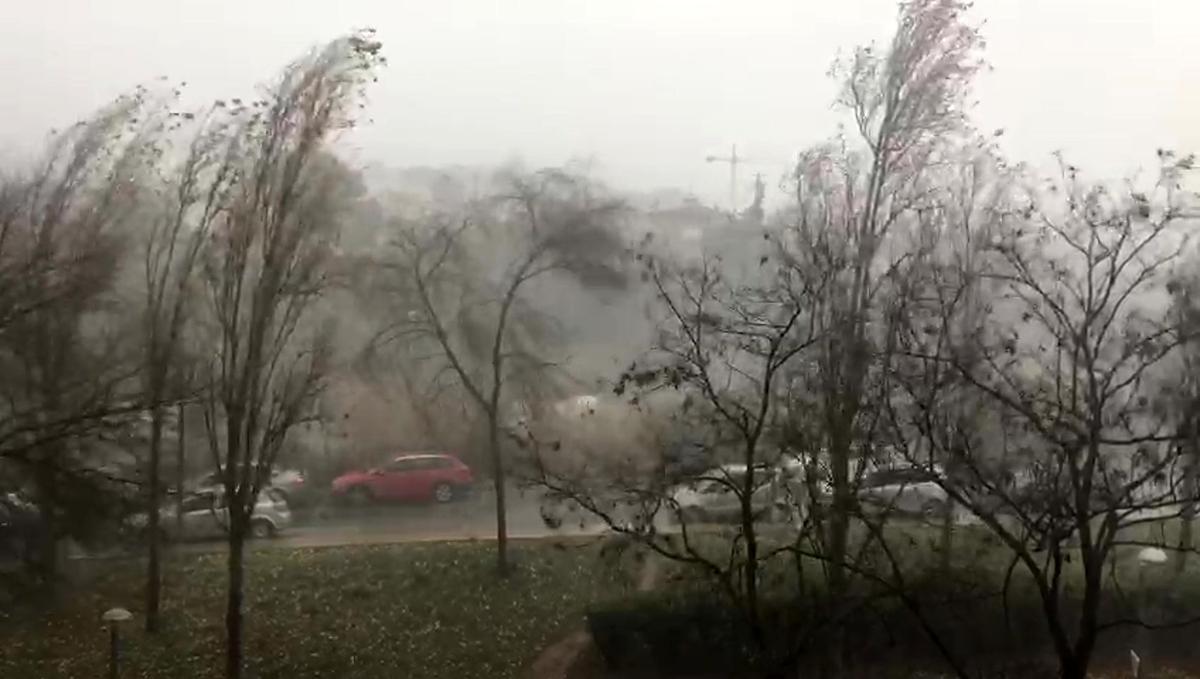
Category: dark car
[687,458]
[21,529]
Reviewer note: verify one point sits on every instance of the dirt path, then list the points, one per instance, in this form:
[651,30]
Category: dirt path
[575,656]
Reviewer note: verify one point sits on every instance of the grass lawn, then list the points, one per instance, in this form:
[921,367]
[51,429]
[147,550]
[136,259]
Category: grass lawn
[420,610]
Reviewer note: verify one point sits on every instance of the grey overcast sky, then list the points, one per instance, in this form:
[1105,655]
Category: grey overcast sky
[644,88]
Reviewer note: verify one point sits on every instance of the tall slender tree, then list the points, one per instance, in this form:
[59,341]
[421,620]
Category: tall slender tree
[263,267]
[62,230]
[173,243]
[852,197]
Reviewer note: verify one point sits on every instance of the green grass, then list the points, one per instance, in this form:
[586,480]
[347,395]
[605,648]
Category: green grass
[428,610]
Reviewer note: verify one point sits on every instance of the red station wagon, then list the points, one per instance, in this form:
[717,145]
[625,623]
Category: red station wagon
[419,477]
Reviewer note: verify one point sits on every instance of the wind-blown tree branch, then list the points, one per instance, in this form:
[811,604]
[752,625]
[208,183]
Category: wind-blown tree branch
[939,300]
[62,229]
[468,285]
[1076,352]
[907,102]
[724,350]
[724,346]
[263,267]
[191,201]
[1186,404]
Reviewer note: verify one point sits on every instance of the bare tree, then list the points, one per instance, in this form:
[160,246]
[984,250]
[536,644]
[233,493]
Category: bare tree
[726,347]
[1072,349]
[906,101]
[192,201]
[62,230]
[477,315]
[723,344]
[1186,404]
[264,265]
[939,286]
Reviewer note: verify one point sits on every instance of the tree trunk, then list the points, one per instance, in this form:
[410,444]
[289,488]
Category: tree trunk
[1085,644]
[180,458]
[1188,514]
[46,558]
[750,569]
[498,480]
[233,604]
[841,509]
[750,534]
[1186,518]
[947,535]
[153,529]
[1072,669]
[47,555]
[1069,666]
[839,518]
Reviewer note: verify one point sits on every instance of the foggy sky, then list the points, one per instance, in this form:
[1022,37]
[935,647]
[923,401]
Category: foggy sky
[645,88]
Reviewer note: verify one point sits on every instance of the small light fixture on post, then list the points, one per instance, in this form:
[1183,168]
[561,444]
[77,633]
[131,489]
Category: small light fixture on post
[114,617]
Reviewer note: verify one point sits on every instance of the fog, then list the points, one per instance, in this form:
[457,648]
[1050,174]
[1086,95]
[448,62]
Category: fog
[645,90]
[565,338]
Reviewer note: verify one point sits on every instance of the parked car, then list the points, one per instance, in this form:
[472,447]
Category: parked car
[809,480]
[21,529]
[687,458]
[206,516]
[424,477]
[710,497]
[288,482]
[903,490]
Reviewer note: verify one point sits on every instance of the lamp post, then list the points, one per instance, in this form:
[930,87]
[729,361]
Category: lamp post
[114,617]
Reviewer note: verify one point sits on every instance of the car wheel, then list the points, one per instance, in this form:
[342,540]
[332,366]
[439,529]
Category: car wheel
[933,508]
[443,492]
[691,515]
[261,530]
[360,496]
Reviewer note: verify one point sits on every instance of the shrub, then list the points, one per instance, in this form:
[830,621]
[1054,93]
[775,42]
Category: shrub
[700,633]
[692,633]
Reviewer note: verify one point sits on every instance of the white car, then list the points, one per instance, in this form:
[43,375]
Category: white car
[289,482]
[904,490]
[710,497]
[206,517]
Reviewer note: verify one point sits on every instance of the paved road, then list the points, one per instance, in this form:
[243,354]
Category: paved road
[472,518]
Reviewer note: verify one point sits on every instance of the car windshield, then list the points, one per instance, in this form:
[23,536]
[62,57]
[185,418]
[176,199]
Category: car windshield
[724,480]
[202,502]
[720,485]
[897,477]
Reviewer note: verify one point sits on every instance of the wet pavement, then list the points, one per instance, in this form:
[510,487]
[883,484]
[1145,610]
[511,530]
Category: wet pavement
[470,518]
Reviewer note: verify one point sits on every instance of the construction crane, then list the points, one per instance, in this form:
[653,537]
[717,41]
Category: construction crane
[733,161]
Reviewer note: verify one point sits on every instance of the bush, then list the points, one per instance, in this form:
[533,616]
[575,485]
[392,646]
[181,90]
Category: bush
[689,633]
[700,633]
